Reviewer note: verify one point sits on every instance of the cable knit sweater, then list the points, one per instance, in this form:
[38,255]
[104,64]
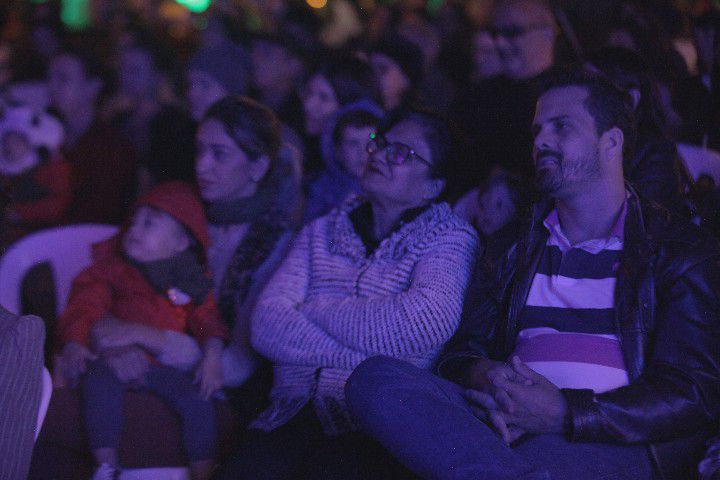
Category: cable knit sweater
[329,307]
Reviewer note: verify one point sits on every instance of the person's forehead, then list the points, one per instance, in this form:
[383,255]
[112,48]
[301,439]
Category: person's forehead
[411,134]
[562,101]
[154,213]
[353,132]
[214,130]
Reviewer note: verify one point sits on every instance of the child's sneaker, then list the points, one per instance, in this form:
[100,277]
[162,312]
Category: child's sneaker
[106,472]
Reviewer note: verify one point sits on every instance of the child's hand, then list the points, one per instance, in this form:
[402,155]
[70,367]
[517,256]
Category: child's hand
[130,363]
[71,363]
[110,332]
[209,373]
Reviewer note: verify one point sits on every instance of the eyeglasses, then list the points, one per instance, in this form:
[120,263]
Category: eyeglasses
[513,32]
[396,153]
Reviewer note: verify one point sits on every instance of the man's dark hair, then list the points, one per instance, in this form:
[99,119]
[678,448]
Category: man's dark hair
[251,125]
[355,119]
[350,77]
[608,105]
[434,131]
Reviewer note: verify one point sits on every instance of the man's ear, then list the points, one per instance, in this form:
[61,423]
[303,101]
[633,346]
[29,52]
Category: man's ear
[612,142]
[434,188]
[259,168]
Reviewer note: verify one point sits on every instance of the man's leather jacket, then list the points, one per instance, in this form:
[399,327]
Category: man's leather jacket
[667,316]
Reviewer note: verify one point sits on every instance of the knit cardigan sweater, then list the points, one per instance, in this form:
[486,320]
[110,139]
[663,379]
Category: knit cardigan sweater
[330,306]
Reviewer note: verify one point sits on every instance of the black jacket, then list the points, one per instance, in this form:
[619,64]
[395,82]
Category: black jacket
[668,322]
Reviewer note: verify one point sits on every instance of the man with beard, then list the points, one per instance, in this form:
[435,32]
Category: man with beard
[595,354]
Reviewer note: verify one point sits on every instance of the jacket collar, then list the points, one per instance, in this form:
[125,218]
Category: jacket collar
[632,281]
[346,241]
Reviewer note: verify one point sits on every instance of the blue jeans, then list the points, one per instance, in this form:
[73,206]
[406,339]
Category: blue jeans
[425,422]
[103,405]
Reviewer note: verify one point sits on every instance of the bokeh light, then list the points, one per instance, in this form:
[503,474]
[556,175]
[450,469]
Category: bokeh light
[317,3]
[196,6]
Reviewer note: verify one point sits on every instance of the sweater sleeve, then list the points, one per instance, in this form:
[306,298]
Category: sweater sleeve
[90,300]
[415,321]
[279,331]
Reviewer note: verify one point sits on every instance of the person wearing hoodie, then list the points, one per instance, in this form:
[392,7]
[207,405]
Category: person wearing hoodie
[340,81]
[152,273]
[343,151]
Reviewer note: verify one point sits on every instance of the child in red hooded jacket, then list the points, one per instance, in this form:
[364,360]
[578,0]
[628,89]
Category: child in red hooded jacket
[152,273]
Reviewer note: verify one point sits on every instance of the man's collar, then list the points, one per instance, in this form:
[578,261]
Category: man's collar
[614,239]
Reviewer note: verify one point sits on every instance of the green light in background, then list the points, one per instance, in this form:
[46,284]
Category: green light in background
[434,6]
[195,6]
[75,13]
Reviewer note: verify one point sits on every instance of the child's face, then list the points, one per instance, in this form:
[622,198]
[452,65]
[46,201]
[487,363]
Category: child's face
[154,235]
[15,147]
[351,151]
[495,209]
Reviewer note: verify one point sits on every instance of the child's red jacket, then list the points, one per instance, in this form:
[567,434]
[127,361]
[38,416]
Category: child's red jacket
[113,286]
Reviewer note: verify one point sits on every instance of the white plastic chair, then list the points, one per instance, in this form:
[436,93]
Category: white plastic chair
[47,388]
[68,251]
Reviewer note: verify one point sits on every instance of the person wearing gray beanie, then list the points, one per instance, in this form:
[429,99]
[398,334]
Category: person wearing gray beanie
[215,73]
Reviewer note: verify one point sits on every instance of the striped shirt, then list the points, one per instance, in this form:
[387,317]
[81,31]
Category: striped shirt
[567,328]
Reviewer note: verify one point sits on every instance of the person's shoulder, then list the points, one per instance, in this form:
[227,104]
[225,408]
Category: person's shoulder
[441,224]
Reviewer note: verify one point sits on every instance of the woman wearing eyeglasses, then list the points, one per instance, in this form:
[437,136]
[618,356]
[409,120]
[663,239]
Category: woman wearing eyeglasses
[382,274]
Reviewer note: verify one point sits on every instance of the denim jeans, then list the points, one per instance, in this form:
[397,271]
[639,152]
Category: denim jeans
[103,407]
[426,423]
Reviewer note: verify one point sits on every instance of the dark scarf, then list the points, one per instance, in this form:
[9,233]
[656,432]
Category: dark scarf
[362,220]
[245,210]
[255,247]
[182,272]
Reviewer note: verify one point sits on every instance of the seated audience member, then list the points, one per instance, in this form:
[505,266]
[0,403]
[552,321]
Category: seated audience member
[278,63]
[496,209]
[491,119]
[652,168]
[385,273]
[343,150]
[32,171]
[398,68]
[213,74]
[145,110]
[335,83]
[241,175]
[152,273]
[597,356]
[102,162]
[21,363]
